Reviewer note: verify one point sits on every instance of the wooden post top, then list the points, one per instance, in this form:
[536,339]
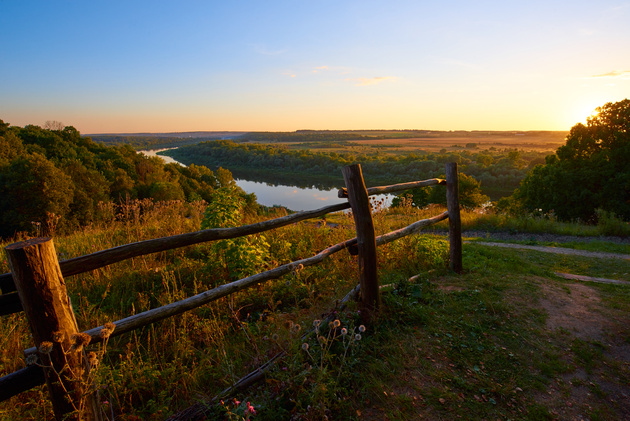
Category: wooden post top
[28,243]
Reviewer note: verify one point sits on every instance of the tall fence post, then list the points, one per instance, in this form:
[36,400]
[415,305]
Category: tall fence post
[366,241]
[454,219]
[44,298]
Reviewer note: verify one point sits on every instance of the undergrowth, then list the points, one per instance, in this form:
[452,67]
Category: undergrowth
[445,346]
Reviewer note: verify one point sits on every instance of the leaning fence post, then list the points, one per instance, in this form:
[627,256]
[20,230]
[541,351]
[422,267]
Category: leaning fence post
[454,219]
[366,240]
[45,300]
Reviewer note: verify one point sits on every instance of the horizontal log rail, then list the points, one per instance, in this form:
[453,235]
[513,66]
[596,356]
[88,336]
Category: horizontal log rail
[33,375]
[107,257]
[29,377]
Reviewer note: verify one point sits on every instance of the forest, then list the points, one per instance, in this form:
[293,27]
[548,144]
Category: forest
[499,172]
[57,180]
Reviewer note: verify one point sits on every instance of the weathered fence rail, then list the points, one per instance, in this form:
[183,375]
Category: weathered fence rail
[17,295]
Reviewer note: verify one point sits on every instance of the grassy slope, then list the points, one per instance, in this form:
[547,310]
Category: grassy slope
[483,345]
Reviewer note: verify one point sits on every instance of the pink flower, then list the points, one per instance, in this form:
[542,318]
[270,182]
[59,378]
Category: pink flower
[250,408]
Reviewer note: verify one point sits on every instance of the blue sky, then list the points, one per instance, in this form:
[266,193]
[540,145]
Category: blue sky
[157,66]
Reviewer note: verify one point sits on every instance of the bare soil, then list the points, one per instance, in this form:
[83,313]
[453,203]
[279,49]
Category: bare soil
[575,311]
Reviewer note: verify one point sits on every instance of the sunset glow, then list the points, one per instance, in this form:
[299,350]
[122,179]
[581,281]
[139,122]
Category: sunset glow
[281,66]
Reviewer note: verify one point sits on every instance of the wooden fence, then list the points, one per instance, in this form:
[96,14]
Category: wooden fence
[36,285]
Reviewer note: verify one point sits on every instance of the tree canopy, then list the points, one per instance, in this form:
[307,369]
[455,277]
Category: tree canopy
[591,171]
[56,173]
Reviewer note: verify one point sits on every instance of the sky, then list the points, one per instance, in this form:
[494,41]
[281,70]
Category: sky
[171,66]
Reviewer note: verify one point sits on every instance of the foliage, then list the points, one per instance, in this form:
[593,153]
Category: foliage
[589,172]
[57,172]
[305,165]
[470,195]
[473,345]
[242,256]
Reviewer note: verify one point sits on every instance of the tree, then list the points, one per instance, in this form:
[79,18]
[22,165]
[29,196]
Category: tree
[53,125]
[32,188]
[470,195]
[589,172]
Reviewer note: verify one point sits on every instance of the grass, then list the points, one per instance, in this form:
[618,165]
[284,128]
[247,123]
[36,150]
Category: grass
[470,346]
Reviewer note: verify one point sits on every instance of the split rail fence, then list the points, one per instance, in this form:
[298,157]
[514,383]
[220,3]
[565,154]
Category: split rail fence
[36,284]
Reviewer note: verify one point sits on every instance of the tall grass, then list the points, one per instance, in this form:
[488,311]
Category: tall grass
[152,372]
[486,219]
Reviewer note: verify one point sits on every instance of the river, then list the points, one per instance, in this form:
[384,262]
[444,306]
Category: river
[291,197]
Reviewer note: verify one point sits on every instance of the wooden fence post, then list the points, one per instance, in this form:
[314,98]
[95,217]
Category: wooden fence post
[454,219]
[44,298]
[366,241]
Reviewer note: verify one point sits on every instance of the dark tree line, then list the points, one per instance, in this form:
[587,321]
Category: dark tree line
[57,173]
[498,172]
[591,171]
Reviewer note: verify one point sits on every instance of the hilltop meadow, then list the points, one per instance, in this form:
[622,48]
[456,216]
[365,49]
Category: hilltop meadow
[512,337]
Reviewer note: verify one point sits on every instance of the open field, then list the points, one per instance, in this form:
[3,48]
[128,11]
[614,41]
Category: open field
[415,141]
[521,141]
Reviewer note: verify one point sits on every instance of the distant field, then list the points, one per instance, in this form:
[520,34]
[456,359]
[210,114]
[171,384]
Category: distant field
[427,141]
[432,144]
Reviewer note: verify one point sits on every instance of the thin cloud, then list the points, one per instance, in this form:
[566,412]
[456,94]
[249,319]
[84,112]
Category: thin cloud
[615,74]
[320,69]
[289,74]
[367,81]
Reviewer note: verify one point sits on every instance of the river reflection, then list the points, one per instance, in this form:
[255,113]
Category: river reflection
[291,197]
[294,198]
[167,159]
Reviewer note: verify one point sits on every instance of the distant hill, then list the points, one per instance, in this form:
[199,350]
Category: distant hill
[182,135]
[142,141]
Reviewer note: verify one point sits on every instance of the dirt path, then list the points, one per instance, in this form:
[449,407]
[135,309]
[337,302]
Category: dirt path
[575,312]
[558,250]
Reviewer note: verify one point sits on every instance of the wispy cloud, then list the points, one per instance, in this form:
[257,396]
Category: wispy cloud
[367,81]
[615,74]
[289,74]
[320,69]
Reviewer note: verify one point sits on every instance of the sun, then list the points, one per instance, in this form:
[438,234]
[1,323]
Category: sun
[579,112]
[590,111]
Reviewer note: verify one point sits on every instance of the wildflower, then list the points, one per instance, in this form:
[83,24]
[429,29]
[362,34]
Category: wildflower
[31,359]
[250,409]
[361,328]
[316,323]
[45,347]
[357,337]
[57,336]
[344,331]
[321,340]
[92,359]
[336,323]
[107,330]
[80,340]
[305,346]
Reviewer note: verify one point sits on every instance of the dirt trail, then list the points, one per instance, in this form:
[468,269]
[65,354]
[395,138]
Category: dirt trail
[559,250]
[576,312]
